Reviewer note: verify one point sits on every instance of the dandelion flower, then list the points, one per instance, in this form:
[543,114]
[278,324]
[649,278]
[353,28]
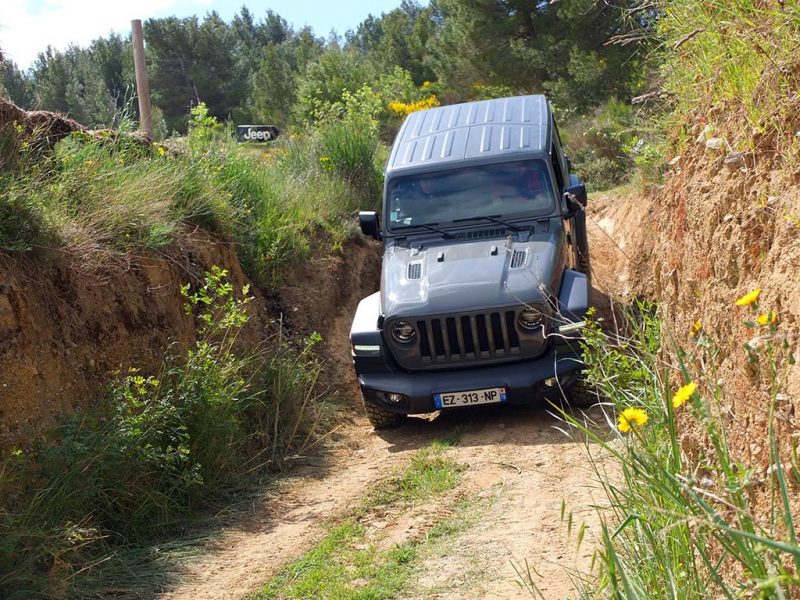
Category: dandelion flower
[161,151]
[749,298]
[770,318]
[631,417]
[683,394]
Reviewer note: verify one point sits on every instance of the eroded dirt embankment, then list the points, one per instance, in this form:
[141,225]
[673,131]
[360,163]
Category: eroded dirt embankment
[725,223]
[65,329]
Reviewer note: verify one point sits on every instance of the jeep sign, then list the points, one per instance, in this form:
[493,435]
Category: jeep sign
[257,133]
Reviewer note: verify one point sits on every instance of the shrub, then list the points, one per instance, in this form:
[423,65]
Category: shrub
[348,134]
[157,447]
[598,144]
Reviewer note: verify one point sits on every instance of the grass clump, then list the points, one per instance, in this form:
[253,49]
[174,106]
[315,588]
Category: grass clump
[349,562]
[429,474]
[687,523]
[344,566]
[96,197]
[157,448]
[724,60]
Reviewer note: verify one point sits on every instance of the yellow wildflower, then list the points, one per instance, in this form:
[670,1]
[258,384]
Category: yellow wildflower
[770,318]
[631,417]
[697,328]
[683,394]
[749,298]
[161,151]
[401,109]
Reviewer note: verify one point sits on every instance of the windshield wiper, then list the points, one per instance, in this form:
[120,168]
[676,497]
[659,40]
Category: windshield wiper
[493,219]
[428,226]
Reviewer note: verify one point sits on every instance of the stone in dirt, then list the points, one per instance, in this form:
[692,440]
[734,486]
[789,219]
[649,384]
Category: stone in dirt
[715,144]
[734,161]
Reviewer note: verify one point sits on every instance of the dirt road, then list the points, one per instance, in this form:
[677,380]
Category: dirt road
[519,460]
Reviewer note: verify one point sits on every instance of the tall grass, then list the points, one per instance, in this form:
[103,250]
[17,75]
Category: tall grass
[685,521]
[100,197]
[730,59]
[139,464]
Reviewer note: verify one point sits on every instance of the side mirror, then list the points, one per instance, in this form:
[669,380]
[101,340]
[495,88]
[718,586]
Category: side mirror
[575,200]
[370,224]
[579,192]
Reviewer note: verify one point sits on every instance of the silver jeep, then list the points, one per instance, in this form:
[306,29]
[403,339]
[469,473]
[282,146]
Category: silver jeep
[486,275]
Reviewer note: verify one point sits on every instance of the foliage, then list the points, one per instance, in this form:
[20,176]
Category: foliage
[252,69]
[348,132]
[601,143]
[92,85]
[721,60]
[556,47]
[193,62]
[398,40]
[15,86]
[687,523]
[325,80]
[98,196]
[158,446]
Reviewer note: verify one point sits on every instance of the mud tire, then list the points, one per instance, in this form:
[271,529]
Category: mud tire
[380,418]
[581,394]
[584,263]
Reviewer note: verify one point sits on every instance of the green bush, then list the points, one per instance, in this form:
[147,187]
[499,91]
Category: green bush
[158,447]
[599,144]
[348,133]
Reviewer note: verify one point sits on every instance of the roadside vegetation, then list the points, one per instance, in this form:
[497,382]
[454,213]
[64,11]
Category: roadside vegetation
[725,71]
[158,447]
[685,519]
[98,197]
[689,516]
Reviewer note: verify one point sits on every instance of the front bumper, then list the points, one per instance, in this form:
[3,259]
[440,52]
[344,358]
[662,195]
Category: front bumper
[524,382]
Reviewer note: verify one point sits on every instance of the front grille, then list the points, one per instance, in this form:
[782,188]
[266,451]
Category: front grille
[472,336]
[476,337]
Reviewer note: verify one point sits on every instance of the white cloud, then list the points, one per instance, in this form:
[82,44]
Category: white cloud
[27,27]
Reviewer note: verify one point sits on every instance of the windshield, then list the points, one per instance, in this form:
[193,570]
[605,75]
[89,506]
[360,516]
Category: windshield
[508,190]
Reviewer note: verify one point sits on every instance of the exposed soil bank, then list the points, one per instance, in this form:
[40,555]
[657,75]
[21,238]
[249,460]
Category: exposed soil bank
[66,330]
[723,224]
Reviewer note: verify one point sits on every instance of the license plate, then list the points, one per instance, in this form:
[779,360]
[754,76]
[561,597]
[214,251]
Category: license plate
[469,398]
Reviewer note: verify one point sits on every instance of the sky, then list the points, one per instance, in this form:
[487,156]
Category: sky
[27,27]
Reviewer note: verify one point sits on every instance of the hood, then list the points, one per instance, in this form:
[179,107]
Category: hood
[447,277]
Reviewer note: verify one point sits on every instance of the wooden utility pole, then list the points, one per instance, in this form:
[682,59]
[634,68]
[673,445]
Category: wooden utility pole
[142,87]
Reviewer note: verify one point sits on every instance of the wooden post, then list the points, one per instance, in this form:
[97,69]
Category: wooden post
[142,87]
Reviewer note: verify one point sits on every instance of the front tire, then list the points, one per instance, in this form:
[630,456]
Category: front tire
[381,418]
[581,394]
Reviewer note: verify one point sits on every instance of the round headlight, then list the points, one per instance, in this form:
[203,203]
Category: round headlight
[530,318]
[403,331]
